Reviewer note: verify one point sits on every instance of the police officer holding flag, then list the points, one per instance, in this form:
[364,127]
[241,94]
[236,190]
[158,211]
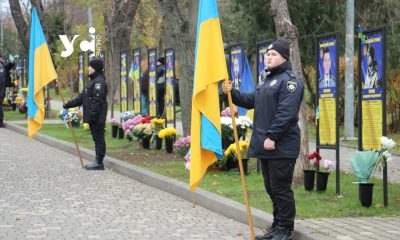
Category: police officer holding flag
[94,102]
[276,135]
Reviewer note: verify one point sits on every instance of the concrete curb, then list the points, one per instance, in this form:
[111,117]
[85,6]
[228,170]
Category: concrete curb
[211,201]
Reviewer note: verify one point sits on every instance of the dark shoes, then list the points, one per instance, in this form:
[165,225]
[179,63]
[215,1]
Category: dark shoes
[283,234]
[276,233]
[1,123]
[268,235]
[94,166]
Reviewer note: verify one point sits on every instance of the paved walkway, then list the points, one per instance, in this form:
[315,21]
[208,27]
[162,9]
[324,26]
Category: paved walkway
[44,194]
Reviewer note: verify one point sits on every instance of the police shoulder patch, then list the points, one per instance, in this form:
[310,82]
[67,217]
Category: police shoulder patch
[291,86]
[97,86]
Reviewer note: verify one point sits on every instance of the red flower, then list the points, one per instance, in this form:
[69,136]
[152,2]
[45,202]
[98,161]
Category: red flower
[316,164]
[314,155]
[145,119]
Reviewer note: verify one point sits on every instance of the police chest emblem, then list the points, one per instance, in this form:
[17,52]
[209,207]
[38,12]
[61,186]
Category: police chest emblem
[273,83]
[97,86]
[291,86]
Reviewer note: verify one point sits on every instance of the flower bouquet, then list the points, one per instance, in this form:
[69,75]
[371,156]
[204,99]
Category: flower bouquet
[169,135]
[182,145]
[143,132]
[114,127]
[231,153]
[127,115]
[158,124]
[364,165]
[243,124]
[309,174]
[74,115]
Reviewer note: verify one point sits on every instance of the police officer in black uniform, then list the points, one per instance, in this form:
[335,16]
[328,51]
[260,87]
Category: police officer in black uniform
[276,134]
[93,99]
[5,81]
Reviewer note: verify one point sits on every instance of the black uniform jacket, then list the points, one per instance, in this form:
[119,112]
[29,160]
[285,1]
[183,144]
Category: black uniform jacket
[276,102]
[94,100]
[5,79]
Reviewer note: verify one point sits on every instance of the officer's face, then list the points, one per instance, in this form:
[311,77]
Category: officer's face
[91,70]
[274,59]
[327,63]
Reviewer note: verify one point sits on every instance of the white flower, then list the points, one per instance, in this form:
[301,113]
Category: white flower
[387,143]
[328,165]
[226,121]
[245,121]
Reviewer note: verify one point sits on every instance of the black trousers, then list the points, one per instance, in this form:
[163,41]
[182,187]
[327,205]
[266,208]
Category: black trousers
[97,131]
[160,88]
[278,176]
[1,109]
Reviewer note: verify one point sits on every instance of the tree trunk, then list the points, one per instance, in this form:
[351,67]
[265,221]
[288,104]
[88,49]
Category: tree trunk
[118,18]
[180,21]
[285,29]
[22,26]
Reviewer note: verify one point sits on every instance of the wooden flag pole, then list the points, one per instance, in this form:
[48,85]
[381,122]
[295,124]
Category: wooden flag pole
[70,125]
[239,156]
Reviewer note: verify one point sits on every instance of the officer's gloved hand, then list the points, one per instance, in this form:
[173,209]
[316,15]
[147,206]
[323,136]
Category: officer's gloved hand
[65,106]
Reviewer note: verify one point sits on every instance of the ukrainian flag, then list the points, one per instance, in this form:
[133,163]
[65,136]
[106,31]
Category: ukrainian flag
[134,72]
[210,68]
[41,72]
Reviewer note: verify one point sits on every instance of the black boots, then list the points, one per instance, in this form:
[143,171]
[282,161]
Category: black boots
[96,165]
[276,233]
[269,234]
[1,123]
[283,234]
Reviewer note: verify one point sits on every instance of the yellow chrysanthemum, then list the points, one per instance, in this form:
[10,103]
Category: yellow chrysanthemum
[166,132]
[86,126]
[19,100]
[231,150]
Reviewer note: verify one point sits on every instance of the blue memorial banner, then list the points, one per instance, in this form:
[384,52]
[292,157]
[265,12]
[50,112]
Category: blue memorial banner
[169,87]
[124,82]
[152,54]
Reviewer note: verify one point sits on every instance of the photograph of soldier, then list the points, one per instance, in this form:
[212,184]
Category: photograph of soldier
[327,79]
[236,73]
[372,77]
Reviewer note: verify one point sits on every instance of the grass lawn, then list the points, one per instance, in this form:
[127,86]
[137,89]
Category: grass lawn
[13,115]
[227,184]
[16,115]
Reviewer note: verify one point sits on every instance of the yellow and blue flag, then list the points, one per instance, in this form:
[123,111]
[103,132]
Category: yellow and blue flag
[209,69]
[134,72]
[41,73]
[246,86]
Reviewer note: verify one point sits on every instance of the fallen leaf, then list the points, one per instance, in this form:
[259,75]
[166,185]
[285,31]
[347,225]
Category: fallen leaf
[379,205]
[215,183]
